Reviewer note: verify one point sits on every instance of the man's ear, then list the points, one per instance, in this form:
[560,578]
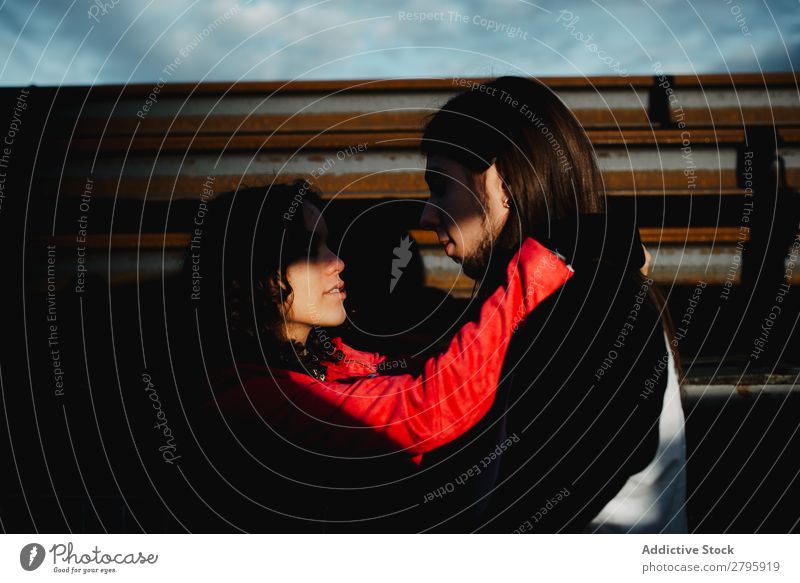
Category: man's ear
[495,188]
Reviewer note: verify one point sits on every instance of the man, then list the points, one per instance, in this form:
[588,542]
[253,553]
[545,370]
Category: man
[577,413]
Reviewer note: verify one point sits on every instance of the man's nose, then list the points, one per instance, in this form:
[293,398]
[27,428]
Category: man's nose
[430,217]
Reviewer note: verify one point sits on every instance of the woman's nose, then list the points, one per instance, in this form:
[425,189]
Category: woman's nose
[336,265]
[430,217]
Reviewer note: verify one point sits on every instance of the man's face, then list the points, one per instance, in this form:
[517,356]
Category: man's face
[466,211]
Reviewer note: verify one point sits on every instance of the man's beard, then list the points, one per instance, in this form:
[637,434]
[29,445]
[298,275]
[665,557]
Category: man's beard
[476,263]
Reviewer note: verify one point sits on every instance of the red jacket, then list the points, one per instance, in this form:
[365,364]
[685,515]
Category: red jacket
[356,411]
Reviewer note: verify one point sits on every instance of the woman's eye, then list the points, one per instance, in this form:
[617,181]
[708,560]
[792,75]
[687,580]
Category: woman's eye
[316,243]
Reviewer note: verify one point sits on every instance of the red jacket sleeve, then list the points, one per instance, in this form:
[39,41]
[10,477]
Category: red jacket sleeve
[414,412]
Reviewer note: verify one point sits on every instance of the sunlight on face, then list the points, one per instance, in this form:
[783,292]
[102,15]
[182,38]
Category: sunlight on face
[467,222]
[317,289]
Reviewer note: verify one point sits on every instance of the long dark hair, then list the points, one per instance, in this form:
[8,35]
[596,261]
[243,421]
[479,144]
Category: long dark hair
[241,250]
[547,164]
[539,147]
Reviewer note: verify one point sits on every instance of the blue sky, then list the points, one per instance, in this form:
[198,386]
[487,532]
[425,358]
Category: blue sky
[50,42]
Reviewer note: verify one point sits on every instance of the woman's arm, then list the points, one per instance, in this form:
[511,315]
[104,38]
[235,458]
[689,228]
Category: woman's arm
[455,389]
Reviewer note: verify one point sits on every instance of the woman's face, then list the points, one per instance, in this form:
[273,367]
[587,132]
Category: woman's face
[466,221]
[317,289]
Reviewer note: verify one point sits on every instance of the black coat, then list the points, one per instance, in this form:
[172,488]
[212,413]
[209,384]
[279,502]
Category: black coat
[578,406]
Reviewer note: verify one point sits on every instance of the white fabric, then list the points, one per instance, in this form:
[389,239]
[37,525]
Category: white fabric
[653,501]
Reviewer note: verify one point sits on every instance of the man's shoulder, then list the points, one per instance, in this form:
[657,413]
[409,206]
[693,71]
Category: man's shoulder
[582,321]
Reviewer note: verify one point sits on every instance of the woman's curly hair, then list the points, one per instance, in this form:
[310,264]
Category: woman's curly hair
[246,241]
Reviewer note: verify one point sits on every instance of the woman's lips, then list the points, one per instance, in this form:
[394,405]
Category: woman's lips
[337,291]
[341,295]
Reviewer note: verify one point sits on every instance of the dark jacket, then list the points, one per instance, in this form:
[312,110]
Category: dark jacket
[580,397]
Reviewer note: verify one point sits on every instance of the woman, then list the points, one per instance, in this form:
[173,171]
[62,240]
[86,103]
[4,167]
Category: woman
[270,285]
[508,160]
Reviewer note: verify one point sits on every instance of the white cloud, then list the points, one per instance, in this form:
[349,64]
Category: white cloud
[135,39]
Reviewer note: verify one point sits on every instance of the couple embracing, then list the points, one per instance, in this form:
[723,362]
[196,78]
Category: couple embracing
[550,377]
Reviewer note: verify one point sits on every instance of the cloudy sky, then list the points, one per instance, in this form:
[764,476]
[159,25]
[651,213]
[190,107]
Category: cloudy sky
[52,42]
